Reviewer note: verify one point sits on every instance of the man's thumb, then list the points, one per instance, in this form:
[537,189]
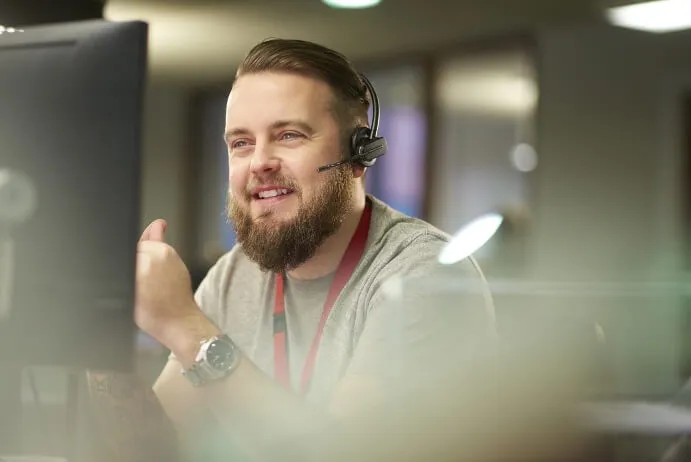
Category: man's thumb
[156,231]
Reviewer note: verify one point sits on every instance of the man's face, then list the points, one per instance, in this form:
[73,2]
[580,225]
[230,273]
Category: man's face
[279,129]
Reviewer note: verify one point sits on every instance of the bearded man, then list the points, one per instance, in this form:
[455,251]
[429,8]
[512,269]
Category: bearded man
[284,333]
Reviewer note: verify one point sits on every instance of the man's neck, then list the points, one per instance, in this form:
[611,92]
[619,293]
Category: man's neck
[329,254]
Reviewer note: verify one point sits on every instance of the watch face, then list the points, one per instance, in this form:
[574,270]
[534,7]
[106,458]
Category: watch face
[220,355]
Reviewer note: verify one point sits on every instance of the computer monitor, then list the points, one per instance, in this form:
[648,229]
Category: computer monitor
[71,103]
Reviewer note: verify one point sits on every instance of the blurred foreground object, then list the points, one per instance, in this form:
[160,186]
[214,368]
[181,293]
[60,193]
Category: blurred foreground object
[74,191]
[503,402]
[463,393]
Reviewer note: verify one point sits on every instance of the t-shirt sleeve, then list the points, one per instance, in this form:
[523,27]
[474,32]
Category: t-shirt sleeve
[421,319]
[206,295]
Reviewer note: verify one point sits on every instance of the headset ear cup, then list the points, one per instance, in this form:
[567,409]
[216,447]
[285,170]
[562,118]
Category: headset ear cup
[359,141]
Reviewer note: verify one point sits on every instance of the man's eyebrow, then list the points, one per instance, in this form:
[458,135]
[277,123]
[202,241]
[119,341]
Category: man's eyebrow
[233,132]
[279,124]
[297,123]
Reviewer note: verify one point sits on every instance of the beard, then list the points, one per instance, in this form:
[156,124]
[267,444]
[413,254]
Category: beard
[283,246]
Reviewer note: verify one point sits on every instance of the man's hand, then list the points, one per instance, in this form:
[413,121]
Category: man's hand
[164,301]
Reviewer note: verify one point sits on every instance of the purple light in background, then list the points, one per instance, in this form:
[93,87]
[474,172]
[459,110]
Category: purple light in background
[400,176]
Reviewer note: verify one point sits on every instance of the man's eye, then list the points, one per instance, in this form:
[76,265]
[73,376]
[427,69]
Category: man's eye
[291,136]
[238,144]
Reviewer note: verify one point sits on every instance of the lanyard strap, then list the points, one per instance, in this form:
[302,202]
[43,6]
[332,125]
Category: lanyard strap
[343,272]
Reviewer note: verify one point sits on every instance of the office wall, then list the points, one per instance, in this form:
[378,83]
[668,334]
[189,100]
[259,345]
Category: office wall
[212,229]
[484,108]
[165,160]
[605,195]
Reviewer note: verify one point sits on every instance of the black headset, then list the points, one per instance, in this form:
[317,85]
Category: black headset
[365,144]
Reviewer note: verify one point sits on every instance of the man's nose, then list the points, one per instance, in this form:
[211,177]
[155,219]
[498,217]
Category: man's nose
[263,160]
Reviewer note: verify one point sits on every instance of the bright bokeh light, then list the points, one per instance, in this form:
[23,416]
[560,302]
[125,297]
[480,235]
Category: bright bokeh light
[656,16]
[470,238]
[9,30]
[351,4]
[523,157]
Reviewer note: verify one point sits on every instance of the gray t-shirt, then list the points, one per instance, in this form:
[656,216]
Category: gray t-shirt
[239,298]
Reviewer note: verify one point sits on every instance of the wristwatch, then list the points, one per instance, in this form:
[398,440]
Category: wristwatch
[217,358]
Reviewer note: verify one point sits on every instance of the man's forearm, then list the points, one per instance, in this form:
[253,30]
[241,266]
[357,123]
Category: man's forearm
[247,402]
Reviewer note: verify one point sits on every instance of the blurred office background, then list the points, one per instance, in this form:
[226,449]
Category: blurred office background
[576,130]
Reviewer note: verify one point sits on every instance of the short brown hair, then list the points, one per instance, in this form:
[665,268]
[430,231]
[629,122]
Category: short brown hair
[318,62]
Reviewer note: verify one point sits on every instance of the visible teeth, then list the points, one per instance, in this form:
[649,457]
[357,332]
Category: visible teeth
[272,193]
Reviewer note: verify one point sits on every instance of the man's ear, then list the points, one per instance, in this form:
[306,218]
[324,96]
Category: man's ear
[358,170]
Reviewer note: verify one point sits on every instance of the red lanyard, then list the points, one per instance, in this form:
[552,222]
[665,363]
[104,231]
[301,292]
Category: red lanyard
[343,272]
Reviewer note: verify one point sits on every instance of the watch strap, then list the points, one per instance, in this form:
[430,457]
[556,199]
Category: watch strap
[195,375]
